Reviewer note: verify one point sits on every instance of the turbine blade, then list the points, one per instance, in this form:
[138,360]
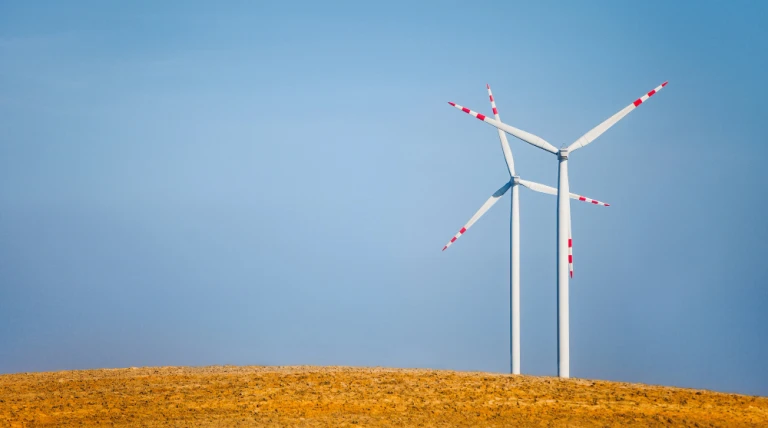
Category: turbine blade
[486,206]
[541,188]
[536,187]
[608,123]
[502,136]
[518,133]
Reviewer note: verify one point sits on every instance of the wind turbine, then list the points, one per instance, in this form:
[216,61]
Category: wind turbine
[514,237]
[564,257]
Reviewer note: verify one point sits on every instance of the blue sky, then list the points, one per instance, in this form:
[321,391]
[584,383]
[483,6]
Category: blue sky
[189,183]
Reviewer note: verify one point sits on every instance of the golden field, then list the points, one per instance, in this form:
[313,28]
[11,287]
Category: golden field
[340,396]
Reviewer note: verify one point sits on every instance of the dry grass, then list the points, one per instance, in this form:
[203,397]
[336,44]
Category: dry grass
[331,396]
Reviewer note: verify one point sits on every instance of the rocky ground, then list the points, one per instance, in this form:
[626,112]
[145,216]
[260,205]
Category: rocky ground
[340,396]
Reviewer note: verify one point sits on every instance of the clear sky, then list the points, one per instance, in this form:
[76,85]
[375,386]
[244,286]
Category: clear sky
[187,183]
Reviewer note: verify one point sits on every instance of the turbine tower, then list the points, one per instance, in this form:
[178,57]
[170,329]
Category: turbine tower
[564,241]
[514,237]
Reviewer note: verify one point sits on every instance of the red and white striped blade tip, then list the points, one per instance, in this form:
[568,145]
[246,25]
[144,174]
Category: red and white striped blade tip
[648,95]
[493,103]
[594,201]
[474,114]
[461,232]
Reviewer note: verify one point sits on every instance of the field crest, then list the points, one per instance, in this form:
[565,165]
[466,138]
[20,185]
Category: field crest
[342,396]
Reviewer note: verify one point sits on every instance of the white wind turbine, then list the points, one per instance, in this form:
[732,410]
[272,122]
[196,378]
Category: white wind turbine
[514,238]
[564,257]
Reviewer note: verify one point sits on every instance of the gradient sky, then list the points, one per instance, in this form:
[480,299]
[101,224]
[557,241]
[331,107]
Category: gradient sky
[270,183]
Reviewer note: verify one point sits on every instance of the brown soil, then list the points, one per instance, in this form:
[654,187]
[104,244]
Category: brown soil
[338,396]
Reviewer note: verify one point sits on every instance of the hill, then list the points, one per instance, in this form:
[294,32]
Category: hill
[339,396]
